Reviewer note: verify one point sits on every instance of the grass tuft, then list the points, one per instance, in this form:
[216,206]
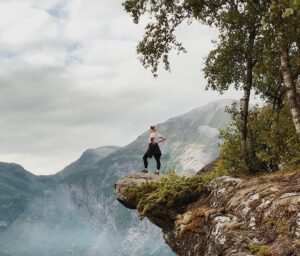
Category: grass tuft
[172,191]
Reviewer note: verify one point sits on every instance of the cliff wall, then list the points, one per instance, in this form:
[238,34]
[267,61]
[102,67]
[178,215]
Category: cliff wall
[230,216]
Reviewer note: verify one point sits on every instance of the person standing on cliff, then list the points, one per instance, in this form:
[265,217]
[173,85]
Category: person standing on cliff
[153,149]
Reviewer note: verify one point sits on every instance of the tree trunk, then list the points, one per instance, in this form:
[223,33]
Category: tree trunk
[245,100]
[289,83]
[244,116]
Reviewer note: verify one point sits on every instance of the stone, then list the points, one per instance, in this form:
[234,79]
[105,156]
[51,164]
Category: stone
[133,179]
[232,216]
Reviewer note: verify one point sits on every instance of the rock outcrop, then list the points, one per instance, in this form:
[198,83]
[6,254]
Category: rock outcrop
[133,179]
[233,216]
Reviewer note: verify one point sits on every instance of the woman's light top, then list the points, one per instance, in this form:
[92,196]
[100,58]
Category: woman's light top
[154,135]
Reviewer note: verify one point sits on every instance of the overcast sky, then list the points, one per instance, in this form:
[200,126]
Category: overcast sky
[70,80]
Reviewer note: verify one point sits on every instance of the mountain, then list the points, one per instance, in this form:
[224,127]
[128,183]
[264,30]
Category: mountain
[192,142]
[17,188]
[87,160]
[79,214]
[15,180]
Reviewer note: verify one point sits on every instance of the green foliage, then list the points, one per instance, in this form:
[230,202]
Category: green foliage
[276,143]
[171,192]
[273,140]
[231,156]
[223,65]
[159,39]
[253,37]
[259,250]
[280,24]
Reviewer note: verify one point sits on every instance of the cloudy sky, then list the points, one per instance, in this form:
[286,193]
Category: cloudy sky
[70,80]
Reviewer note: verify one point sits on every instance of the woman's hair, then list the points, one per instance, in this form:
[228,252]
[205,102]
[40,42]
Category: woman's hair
[152,127]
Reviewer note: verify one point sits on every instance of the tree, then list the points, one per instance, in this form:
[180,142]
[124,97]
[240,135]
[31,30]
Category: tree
[276,145]
[233,61]
[246,26]
[282,24]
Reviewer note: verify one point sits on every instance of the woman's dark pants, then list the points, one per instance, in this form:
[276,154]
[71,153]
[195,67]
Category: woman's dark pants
[157,158]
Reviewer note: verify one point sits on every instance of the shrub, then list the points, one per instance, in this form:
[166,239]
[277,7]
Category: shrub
[272,141]
[171,192]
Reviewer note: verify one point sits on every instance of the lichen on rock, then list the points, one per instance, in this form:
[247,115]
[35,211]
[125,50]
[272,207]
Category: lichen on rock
[226,216]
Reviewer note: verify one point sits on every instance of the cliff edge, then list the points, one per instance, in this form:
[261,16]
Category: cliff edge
[228,216]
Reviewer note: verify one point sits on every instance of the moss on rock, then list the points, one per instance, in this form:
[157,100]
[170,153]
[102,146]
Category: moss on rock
[172,191]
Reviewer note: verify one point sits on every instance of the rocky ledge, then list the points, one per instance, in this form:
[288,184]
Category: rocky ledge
[232,216]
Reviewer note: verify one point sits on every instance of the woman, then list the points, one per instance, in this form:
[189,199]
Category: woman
[153,149]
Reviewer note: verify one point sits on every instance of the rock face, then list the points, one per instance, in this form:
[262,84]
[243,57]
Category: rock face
[234,216]
[132,180]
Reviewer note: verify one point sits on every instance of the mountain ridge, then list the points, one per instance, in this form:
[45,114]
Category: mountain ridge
[17,187]
[87,159]
[86,195]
